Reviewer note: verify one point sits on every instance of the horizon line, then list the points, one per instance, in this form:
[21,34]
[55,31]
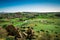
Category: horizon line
[31,12]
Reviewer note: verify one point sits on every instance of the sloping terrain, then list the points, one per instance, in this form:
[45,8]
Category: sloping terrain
[46,22]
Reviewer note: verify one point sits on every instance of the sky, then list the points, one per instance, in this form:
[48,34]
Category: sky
[29,5]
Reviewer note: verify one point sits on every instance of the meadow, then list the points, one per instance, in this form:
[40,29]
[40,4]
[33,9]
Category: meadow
[42,23]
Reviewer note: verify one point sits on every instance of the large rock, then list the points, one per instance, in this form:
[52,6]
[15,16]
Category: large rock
[12,31]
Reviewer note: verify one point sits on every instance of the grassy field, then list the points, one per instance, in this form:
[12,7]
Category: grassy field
[39,22]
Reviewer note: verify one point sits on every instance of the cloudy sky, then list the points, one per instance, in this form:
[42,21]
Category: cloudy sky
[29,5]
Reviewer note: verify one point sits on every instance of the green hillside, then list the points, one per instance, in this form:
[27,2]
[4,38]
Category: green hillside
[46,22]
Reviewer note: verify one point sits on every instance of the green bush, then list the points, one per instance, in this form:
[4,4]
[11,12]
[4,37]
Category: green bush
[4,26]
[9,38]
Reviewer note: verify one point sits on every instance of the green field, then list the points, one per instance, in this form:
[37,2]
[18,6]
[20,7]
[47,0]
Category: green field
[46,22]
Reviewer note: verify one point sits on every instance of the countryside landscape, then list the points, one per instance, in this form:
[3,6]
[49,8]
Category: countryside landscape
[43,26]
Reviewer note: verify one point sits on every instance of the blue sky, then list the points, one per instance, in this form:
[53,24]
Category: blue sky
[29,5]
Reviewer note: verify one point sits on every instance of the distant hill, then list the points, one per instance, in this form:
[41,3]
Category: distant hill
[26,14]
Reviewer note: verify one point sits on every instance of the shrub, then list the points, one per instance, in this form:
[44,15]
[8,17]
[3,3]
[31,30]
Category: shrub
[4,26]
[9,38]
